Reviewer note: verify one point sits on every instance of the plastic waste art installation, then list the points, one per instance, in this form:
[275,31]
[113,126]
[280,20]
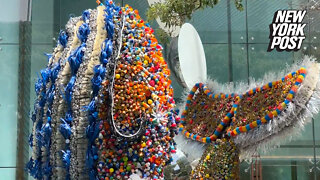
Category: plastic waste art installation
[105,108]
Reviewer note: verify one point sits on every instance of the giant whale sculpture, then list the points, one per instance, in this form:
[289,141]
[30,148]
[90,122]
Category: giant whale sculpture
[105,108]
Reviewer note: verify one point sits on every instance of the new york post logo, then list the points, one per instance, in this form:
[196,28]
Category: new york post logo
[286,30]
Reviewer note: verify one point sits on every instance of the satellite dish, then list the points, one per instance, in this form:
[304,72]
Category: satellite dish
[191,56]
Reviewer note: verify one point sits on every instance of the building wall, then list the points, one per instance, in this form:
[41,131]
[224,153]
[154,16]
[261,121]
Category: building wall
[9,64]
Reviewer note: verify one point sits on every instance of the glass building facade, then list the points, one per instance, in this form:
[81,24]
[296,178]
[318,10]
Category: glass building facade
[235,44]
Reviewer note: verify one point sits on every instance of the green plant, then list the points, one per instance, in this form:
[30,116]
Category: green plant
[163,37]
[174,13]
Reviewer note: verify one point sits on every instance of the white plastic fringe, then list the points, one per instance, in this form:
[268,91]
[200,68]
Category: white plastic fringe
[193,150]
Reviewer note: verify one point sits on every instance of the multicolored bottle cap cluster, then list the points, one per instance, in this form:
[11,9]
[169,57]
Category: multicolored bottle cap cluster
[219,161]
[142,99]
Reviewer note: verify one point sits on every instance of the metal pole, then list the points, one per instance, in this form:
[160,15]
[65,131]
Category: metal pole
[314,152]
[229,42]
[252,171]
[22,155]
[247,41]
[313,134]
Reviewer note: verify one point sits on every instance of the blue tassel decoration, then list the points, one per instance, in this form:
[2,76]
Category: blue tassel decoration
[85,15]
[38,86]
[63,38]
[93,132]
[68,117]
[76,58]
[66,159]
[68,90]
[54,72]
[49,56]
[92,156]
[93,115]
[66,156]
[46,135]
[65,129]
[30,140]
[45,74]
[83,32]
[109,20]
[99,74]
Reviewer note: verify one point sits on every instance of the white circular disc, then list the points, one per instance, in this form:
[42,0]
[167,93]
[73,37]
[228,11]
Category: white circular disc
[191,56]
